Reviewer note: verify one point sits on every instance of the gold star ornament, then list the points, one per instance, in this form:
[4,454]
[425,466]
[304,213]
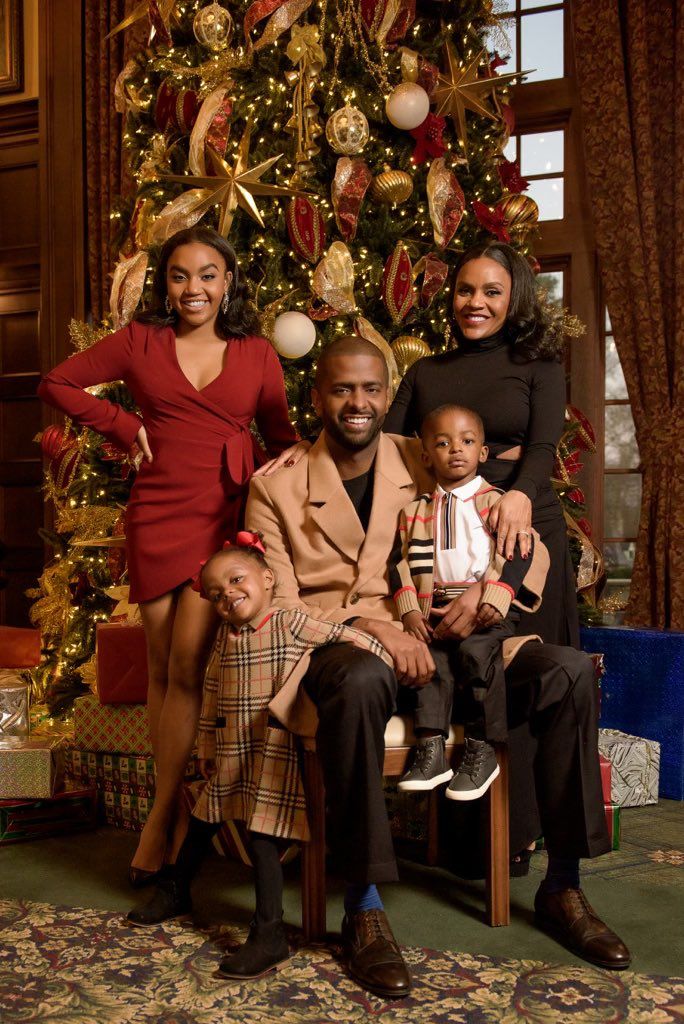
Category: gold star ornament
[460,88]
[158,11]
[235,186]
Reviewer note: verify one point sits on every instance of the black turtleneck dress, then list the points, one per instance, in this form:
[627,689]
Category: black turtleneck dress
[521,403]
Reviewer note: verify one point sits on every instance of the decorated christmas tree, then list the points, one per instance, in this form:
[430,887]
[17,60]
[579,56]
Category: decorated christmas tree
[349,150]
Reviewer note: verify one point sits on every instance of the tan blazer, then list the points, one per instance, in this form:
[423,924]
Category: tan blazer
[323,560]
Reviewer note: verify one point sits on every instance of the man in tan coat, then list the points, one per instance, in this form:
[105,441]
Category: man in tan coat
[329,526]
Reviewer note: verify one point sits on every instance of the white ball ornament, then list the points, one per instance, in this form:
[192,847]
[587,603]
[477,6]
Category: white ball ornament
[294,334]
[407,106]
[212,27]
[347,130]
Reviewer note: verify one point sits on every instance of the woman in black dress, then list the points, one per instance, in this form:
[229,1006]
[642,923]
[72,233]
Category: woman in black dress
[508,368]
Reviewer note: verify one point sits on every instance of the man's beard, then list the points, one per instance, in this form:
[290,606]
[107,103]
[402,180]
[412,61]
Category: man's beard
[358,442]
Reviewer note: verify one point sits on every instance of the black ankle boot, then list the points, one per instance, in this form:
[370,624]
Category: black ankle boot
[170,898]
[265,948]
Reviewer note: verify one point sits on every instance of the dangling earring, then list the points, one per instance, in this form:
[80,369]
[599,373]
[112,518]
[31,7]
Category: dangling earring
[224,302]
[167,305]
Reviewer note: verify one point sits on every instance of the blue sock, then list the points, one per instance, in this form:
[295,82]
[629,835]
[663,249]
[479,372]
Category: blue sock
[361,897]
[562,873]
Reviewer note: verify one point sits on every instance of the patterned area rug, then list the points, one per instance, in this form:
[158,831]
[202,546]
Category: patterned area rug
[60,965]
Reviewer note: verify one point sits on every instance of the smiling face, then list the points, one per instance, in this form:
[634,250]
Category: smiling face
[237,585]
[482,295]
[453,446]
[196,281]
[352,399]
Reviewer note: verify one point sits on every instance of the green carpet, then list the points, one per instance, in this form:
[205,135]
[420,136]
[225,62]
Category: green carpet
[75,966]
[638,893]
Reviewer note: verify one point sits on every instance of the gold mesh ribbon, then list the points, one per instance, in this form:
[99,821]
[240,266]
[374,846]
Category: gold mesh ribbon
[198,135]
[280,21]
[333,279]
[182,212]
[591,568]
[127,287]
[365,329]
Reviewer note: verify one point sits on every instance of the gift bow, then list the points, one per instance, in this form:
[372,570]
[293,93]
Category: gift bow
[304,46]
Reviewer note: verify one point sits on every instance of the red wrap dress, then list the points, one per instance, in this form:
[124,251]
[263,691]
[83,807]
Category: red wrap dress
[190,498]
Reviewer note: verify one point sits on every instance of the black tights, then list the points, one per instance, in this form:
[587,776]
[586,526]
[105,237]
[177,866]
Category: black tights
[268,871]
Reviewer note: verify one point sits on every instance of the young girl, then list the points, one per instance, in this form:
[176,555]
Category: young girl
[249,761]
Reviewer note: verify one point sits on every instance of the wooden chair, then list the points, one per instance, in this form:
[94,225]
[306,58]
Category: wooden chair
[399,740]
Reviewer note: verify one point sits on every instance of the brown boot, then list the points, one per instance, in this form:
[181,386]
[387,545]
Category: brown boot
[373,956]
[571,918]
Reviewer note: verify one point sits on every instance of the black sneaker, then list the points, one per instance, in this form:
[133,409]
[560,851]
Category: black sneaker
[476,772]
[428,767]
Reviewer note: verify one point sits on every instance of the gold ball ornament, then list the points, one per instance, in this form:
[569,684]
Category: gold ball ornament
[347,130]
[407,350]
[212,27]
[391,187]
[520,214]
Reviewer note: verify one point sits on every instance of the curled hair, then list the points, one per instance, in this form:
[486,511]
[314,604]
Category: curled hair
[531,328]
[238,321]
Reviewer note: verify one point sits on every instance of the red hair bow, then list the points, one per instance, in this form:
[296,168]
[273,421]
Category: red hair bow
[243,539]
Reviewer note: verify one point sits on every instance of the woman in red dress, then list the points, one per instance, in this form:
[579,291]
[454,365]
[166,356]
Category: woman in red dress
[199,373]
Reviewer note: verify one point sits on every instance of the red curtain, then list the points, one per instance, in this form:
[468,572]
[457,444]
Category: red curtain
[630,71]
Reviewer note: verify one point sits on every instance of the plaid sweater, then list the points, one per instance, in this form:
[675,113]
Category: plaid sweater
[257,778]
[413,558]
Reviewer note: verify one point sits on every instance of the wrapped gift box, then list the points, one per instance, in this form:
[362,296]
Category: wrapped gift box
[111,728]
[635,766]
[19,648]
[72,810]
[30,768]
[605,778]
[642,692]
[125,810]
[613,822]
[14,705]
[121,657]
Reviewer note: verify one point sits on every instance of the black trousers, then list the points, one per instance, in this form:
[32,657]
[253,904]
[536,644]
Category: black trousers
[551,693]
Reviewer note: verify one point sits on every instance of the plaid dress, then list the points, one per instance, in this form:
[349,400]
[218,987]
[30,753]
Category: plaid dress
[257,778]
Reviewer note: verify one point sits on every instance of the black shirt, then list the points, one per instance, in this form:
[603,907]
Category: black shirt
[360,490]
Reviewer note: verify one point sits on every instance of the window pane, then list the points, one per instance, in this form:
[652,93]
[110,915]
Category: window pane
[541,152]
[609,326]
[615,378]
[505,5]
[619,559]
[511,148]
[548,195]
[542,45]
[551,281]
[621,446]
[526,4]
[622,503]
[502,38]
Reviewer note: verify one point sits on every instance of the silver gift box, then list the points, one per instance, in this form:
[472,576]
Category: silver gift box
[14,710]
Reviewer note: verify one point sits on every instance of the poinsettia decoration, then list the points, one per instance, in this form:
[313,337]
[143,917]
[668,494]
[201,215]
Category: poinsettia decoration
[491,219]
[511,178]
[428,136]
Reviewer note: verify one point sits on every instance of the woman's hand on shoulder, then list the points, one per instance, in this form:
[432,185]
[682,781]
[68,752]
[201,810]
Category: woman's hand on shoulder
[511,520]
[289,458]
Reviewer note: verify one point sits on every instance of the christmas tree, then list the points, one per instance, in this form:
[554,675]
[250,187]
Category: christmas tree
[349,150]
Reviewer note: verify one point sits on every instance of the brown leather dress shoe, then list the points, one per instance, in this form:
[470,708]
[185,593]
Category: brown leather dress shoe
[571,918]
[373,956]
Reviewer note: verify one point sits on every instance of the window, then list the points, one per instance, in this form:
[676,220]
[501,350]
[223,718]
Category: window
[542,162]
[535,38]
[622,476]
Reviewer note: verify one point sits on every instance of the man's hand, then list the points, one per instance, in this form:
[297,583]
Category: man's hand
[487,615]
[415,624]
[413,662]
[459,618]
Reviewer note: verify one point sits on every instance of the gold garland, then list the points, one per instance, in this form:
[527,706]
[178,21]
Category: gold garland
[351,30]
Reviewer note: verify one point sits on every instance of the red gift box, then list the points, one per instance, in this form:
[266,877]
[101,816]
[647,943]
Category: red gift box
[19,648]
[612,812]
[605,777]
[121,656]
[69,811]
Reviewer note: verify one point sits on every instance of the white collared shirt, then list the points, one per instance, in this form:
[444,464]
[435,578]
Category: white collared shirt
[463,546]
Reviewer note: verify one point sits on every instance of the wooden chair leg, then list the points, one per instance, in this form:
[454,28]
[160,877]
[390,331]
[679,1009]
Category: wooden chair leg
[498,880]
[313,852]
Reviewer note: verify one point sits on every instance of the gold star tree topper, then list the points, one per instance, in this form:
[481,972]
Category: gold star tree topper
[235,186]
[460,88]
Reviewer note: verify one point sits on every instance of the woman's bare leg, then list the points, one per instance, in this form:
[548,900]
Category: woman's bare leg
[194,627]
[157,616]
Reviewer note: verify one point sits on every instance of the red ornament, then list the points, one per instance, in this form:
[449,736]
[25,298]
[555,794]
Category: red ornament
[584,436]
[397,284]
[585,526]
[60,448]
[175,109]
[428,136]
[491,219]
[306,229]
[219,129]
[511,178]
[576,495]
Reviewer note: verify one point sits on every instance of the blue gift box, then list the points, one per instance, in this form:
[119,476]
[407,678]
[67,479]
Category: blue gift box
[642,692]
